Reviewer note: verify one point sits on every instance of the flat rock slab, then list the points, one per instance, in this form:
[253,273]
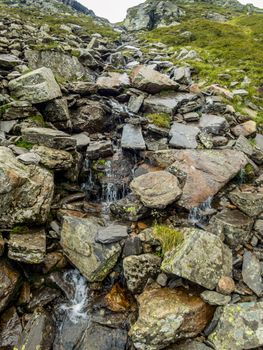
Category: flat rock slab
[214,298]
[52,158]
[111,234]
[251,203]
[201,258]
[252,274]
[240,327]
[36,86]
[99,149]
[205,171]
[132,138]
[113,82]
[183,136]
[246,129]
[156,189]
[9,61]
[213,124]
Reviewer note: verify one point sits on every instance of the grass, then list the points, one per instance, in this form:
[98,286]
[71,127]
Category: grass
[24,144]
[163,120]
[168,237]
[18,229]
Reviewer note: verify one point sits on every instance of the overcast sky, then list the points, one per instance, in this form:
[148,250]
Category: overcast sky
[115,10]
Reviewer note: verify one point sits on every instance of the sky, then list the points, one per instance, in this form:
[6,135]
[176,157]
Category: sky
[115,10]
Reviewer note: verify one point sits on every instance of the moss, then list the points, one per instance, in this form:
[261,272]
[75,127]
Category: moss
[168,237]
[44,47]
[39,120]
[163,120]
[19,229]
[24,144]
[131,210]
[75,53]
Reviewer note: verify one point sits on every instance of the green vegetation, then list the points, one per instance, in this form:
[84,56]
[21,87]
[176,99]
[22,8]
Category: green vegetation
[24,144]
[19,229]
[39,120]
[168,237]
[163,120]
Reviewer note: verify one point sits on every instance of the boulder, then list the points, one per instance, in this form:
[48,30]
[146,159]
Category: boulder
[213,124]
[36,86]
[250,203]
[183,136]
[201,258]
[111,234]
[240,327]
[29,248]
[166,316]
[52,158]
[138,269]
[246,129]
[242,144]
[151,81]
[132,138]
[252,273]
[113,83]
[205,172]
[156,189]
[26,191]
[94,260]
[56,112]
[99,149]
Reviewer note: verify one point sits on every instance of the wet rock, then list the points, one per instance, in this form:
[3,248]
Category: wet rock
[29,248]
[94,260]
[117,299]
[251,273]
[42,297]
[38,332]
[52,158]
[9,61]
[233,225]
[9,281]
[113,83]
[99,149]
[214,298]
[240,327]
[246,129]
[10,328]
[166,316]
[213,124]
[129,208]
[111,234]
[201,257]
[151,81]
[169,103]
[26,191]
[248,202]
[203,170]
[183,136]
[226,285]
[156,189]
[132,138]
[36,87]
[138,269]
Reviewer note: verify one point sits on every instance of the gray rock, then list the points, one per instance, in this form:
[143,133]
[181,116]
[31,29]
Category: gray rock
[129,208]
[259,141]
[56,112]
[7,125]
[132,138]
[135,103]
[251,203]
[251,273]
[52,158]
[99,149]
[182,75]
[183,136]
[132,246]
[169,103]
[94,260]
[189,345]
[36,87]
[214,298]
[191,117]
[29,158]
[9,61]
[111,234]
[201,258]
[243,145]
[240,327]
[113,83]
[213,124]
[82,139]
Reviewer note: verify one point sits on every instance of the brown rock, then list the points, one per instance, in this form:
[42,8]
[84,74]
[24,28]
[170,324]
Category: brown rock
[117,299]
[10,328]
[246,129]
[226,285]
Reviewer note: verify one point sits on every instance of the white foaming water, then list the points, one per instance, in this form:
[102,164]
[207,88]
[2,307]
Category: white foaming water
[76,309]
[197,215]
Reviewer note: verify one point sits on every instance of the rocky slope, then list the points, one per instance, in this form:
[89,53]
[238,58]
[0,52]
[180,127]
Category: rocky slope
[131,194]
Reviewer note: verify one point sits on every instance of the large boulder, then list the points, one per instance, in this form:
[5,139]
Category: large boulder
[156,189]
[240,327]
[166,316]
[151,81]
[78,239]
[205,172]
[36,86]
[201,257]
[26,191]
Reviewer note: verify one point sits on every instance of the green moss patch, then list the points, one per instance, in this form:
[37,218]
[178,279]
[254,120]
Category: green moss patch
[163,120]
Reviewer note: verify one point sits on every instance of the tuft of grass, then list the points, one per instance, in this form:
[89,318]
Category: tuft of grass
[19,229]
[168,237]
[163,120]
[24,144]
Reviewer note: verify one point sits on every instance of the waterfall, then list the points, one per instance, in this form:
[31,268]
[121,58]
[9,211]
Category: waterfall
[198,216]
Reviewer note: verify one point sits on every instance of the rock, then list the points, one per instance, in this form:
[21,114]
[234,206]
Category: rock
[29,158]
[132,138]
[166,316]
[132,246]
[191,117]
[111,234]
[246,129]
[214,298]
[82,139]
[182,75]
[202,169]
[56,112]
[233,225]
[9,61]
[2,245]
[99,149]
[36,86]
[162,279]
[240,92]
[17,110]
[243,145]
[113,83]
[183,136]
[213,124]
[129,208]
[49,138]
[252,273]
[226,285]
[26,193]
[239,327]
[249,202]
[169,103]
[7,125]
[29,248]
[138,269]
[185,54]
[42,297]
[9,281]
[190,345]
[94,260]
[39,332]
[10,328]
[53,158]
[201,257]
[156,189]
[135,103]
[151,81]
[259,141]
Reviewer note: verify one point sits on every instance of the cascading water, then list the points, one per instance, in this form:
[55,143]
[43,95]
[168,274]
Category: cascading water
[198,216]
